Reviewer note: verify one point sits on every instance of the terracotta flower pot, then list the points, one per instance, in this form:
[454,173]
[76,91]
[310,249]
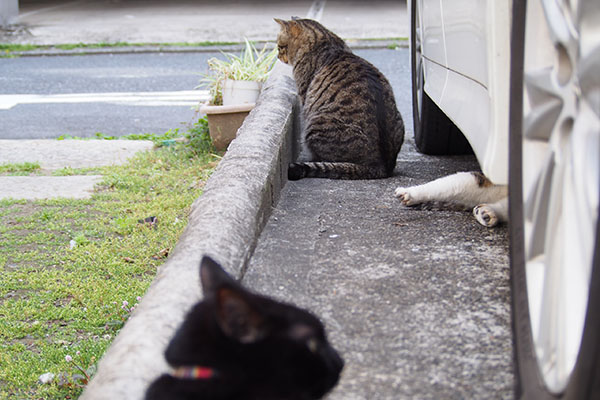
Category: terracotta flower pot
[224,122]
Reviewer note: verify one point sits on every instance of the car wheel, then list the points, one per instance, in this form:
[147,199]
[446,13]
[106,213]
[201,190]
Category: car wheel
[554,196]
[434,132]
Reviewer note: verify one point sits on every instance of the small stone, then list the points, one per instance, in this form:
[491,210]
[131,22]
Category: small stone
[46,378]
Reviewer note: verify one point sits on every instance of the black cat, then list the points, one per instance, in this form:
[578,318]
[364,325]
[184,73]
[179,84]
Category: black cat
[235,344]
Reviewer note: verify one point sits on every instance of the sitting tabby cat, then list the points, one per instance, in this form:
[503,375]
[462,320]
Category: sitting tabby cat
[470,189]
[238,345]
[353,129]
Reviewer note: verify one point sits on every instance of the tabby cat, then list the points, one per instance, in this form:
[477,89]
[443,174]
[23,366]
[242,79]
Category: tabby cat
[235,344]
[353,129]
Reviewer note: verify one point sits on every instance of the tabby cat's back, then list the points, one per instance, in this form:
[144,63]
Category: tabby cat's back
[353,129]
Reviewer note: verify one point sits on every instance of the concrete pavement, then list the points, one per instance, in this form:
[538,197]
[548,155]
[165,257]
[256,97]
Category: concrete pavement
[416,300]
[54,155]
[53,22]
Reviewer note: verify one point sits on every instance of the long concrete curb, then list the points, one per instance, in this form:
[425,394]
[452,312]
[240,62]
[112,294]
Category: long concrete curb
[225,222]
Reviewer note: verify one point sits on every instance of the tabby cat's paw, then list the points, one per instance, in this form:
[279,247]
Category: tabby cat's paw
[295,171]
[403,194]
[485,215]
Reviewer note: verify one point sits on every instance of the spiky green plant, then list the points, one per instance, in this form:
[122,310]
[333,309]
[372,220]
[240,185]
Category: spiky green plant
[250,65]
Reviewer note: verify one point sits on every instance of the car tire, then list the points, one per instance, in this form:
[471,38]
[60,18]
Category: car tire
[435,133]
[555,278]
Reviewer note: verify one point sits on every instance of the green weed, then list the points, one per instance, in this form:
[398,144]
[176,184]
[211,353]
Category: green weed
[25,168]
[7,50]
[198,138]
[73,270]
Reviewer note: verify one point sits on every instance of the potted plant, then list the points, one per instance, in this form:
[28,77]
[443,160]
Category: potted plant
[234,85]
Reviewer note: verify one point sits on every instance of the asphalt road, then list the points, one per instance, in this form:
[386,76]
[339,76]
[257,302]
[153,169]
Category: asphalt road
[92,75]
[122,75]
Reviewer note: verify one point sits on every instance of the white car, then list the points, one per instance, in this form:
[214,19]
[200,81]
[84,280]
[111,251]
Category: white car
[520,81]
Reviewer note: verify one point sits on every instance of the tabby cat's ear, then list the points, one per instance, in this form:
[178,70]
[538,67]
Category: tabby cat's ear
[212,276]
[237,318]
[281,22]
[293,26]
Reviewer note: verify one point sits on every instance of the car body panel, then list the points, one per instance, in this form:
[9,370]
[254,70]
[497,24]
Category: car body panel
[465,38]
[433,32]
[466,52]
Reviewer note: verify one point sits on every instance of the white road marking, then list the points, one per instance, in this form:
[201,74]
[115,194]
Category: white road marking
[180,98]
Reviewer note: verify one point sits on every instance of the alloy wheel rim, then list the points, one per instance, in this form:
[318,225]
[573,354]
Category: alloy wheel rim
[561,159]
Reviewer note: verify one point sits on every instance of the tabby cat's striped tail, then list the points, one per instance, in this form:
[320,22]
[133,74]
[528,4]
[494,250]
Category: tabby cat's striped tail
[335,170]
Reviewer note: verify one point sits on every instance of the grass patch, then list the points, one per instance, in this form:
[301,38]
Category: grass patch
[25,168]
[197,141]
[397,45]
[7,49]
[73,270]
[153,44]
[158,139]
[18,47]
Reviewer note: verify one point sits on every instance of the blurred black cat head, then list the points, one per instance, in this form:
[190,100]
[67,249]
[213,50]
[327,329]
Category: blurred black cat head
[236,344]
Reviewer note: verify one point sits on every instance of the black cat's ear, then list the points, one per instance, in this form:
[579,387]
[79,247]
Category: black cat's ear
[237,318]
[212,276]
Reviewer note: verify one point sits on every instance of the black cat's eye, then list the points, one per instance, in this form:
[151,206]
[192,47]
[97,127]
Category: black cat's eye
[313,344]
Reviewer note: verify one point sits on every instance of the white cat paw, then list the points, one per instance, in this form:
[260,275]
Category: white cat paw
[404,196]
[485,215]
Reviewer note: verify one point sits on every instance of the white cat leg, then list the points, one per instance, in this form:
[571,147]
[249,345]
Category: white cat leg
[465,188]
[492,214]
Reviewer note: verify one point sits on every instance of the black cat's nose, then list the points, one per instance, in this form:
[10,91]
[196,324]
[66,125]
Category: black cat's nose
[334,365]
[336,361]
[339,363]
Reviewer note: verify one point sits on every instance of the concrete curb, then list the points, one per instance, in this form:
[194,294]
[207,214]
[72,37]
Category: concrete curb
[225,222]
